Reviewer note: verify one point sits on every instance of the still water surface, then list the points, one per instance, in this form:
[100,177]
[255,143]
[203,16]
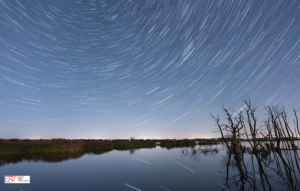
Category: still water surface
[130,170]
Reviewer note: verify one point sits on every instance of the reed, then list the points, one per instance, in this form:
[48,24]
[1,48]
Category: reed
[64,145]
[177,143]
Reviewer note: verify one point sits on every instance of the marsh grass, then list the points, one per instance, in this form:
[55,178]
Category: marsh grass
[13,146]
[177,143]
[26,146]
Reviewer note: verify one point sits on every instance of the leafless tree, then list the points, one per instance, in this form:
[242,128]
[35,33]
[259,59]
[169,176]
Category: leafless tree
[276,129]
[234,127]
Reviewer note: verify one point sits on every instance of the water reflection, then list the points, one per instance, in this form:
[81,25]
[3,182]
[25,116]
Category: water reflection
[195,152]
[54,157]
[248,170]
[196,166]
[49,158]
[270,166]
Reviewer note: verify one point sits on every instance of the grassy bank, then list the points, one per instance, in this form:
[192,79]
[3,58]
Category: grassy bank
[11,146]
[185,143]
[15,146]
[177,143]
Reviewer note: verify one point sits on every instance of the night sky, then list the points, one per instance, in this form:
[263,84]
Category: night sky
[149,69]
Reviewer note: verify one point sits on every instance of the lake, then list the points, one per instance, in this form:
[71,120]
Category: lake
[198,168]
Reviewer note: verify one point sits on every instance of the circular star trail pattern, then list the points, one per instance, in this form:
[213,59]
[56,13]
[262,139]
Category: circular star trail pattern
[114,69]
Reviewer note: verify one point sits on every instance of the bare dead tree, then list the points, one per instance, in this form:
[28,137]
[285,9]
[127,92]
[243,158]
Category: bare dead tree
[234,127]
[276,127]
[277,124]
[251,120]
[217,120]
[236,124]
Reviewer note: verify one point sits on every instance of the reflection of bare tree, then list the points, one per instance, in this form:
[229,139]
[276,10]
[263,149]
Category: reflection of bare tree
[281,167]
[288,170]
[273,149]
[254,170]
[195,152]
[132,151]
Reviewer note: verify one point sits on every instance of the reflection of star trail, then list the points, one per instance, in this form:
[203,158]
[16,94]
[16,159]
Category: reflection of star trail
[142,160]
[120,68]
[223,187]
[164,187]
[131,186]
[184,166]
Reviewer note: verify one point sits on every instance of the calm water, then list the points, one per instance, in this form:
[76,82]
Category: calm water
[142,169]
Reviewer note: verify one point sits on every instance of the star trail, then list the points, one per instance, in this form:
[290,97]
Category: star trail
[148,69]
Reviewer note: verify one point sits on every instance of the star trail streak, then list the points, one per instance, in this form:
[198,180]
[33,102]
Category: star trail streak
[115,69]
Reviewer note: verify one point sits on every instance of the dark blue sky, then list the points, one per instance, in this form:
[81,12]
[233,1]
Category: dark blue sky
[148,69]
